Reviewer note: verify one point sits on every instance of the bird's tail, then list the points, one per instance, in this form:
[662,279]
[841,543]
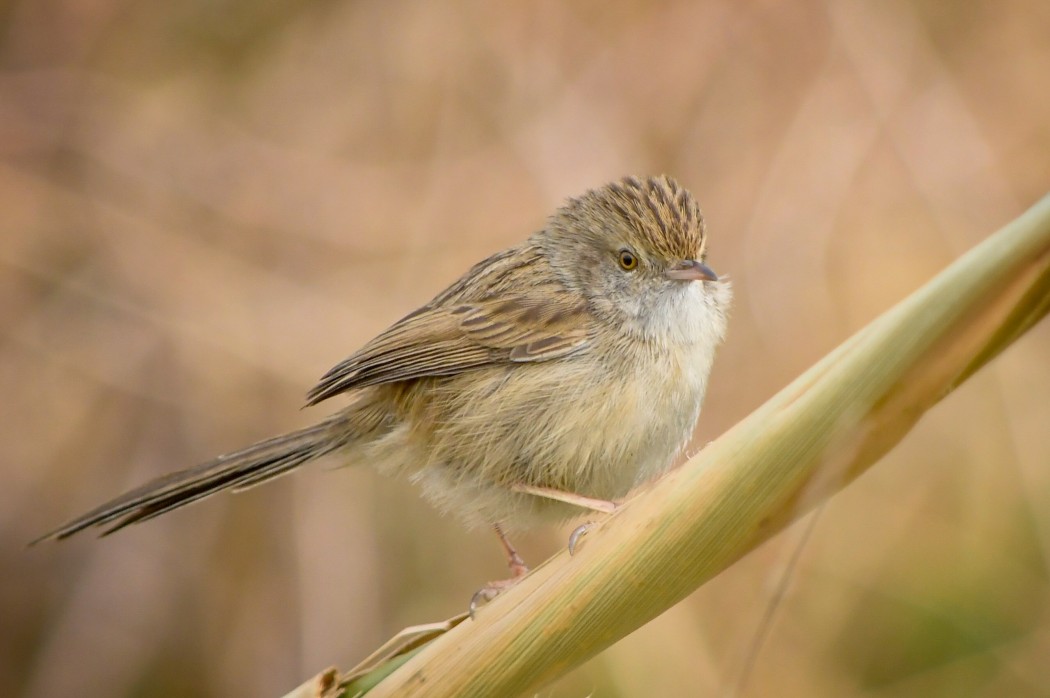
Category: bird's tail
[234,471]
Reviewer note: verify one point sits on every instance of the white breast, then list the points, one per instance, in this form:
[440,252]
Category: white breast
[659,401]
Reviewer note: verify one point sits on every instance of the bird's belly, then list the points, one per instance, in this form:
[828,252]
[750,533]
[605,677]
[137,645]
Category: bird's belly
[572,426]
[632,433]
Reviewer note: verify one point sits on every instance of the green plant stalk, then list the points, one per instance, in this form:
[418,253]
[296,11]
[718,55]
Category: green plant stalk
[804,444]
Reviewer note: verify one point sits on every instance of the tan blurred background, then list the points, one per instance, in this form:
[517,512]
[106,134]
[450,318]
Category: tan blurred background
[206,204]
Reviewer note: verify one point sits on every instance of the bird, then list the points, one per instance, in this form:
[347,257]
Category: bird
[551,379]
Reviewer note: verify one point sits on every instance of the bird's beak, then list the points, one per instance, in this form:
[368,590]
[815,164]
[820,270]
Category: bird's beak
[691,270]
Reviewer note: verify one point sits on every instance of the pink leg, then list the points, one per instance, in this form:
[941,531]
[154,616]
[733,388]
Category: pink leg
[518,569]
[602,505]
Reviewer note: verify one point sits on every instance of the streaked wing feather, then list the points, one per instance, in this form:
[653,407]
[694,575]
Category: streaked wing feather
[445,341]
[530,330]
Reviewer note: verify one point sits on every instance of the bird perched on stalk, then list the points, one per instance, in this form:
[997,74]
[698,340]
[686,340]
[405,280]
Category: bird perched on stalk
[550,379]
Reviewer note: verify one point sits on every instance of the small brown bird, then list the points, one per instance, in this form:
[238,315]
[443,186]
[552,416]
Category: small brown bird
[551,378]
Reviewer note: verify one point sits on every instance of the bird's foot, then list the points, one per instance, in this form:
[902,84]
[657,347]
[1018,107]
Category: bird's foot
[492,590]
[577,534]
[518,569]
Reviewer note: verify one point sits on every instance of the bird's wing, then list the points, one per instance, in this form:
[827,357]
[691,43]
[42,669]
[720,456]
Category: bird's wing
[450,339]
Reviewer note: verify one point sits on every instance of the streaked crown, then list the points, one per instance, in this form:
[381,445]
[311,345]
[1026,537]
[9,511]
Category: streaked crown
[663,216]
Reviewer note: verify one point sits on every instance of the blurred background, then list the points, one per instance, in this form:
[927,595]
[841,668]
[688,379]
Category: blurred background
[206,204]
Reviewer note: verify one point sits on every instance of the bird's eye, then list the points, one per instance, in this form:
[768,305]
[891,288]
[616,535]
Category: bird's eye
[628,262]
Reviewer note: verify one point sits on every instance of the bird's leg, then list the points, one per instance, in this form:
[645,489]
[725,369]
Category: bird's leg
[518,569]
[602,505]
[517,566]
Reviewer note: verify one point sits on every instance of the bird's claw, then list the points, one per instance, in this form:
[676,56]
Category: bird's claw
[489,592]
[575,536]
[480,596]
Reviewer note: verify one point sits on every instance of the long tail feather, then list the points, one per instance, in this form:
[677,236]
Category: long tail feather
[234,471]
